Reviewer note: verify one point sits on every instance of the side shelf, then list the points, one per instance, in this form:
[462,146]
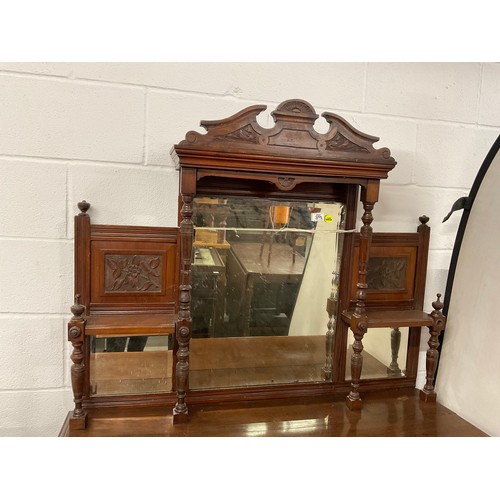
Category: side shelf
[124,316]
[393,318]
[130,324]
[394,293]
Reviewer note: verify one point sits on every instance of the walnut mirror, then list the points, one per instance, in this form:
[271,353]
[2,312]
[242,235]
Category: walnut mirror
[261,272]
[265,289]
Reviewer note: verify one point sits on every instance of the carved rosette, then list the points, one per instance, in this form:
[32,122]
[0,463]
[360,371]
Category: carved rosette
[132,273]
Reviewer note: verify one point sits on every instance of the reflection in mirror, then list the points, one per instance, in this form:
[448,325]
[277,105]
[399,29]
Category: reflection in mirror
[262,272]
[384,353]
[130,365]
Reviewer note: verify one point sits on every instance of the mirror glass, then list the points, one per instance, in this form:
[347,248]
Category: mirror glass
[384,353]
[130,365]
[262,272]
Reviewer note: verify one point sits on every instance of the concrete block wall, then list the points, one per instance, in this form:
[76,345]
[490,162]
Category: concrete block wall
[103,132]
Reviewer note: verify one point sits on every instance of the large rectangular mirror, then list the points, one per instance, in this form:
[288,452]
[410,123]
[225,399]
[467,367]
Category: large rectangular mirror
[262,272]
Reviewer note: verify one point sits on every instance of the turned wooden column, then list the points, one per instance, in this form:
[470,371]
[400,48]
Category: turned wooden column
[428,394]
[76,335]
[82,254]
[393,369]
[76,325]
[331,309]
[184,322]
[359,319]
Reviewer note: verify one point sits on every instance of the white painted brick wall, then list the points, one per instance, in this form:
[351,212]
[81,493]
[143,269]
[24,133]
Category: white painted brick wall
[435,91]
[59,118]
[32,198]
[36,275]
[124,194]
[103,132]
[489,99]
[26,346]
[167,117]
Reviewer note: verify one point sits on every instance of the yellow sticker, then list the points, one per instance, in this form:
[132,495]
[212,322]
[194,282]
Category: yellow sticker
[328,218]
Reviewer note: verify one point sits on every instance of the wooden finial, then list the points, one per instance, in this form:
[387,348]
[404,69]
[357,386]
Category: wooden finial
[84,206]
[423,219]
[77,309]
[437,304]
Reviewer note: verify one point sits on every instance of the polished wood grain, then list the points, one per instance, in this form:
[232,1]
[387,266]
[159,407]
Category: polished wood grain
[291,147]
[130,324]
[393,318]
[393,413]
[125,285]
[131,372]
[254,361]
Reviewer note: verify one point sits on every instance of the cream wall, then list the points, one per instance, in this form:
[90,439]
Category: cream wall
[469,372]
[103,132]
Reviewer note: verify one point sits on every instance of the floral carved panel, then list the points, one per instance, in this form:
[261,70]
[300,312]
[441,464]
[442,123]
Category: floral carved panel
[132,273]
[387,273]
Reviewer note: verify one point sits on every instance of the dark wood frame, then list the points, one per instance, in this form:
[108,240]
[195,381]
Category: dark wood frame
[99,312]
[239,157]
[387,307]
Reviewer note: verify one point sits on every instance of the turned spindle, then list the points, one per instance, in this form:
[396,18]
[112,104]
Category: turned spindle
[76,334]
[184,323]
[428,394]
[359,319]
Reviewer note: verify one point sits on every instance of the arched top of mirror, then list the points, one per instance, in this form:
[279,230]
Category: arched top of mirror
[292,145]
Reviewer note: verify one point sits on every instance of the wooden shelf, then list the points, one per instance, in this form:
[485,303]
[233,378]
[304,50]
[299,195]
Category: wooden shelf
[130,324]
[393,319]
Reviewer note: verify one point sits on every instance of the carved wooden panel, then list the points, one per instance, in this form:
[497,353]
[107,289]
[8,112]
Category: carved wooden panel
[391,275]
[341,151]
[129,272]
[387,273]
[132,273]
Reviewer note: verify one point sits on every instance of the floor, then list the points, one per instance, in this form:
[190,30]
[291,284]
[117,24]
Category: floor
[394,413]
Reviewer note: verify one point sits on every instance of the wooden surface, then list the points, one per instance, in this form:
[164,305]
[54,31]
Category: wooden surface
[130,324]
[253,361]
[394,413]
[280,264]
[131,372]
[292,146]
[250,361]
[220,363]
[393,319]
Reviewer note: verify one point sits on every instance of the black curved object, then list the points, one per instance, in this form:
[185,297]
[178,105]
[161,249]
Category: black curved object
[465,217]
[466,204]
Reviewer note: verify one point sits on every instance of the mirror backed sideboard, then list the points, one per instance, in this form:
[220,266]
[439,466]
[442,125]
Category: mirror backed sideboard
[272,285]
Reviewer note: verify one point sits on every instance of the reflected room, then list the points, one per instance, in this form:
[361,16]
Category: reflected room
[262,271]
[384,353]
[130,365]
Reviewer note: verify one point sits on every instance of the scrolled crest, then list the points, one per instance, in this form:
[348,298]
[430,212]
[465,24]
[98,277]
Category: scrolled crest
[293,136]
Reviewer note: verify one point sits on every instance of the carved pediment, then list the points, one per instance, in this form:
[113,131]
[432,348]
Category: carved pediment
[293,136]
